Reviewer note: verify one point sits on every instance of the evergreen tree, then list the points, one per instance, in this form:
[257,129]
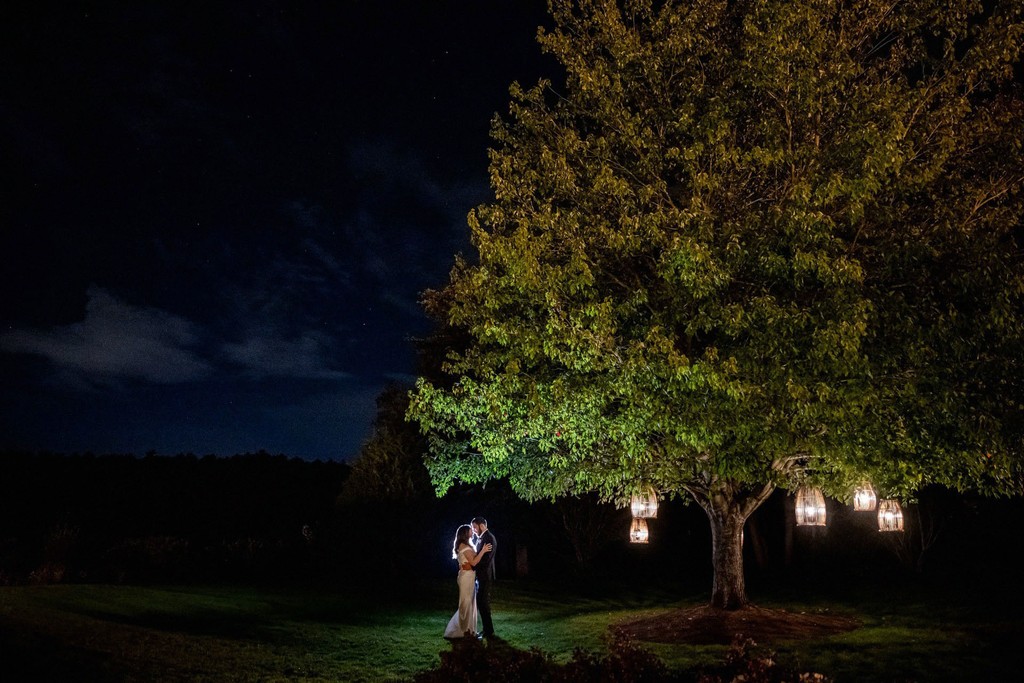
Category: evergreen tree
[389,469]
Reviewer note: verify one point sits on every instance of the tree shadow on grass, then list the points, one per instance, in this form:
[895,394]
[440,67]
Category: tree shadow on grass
[217,624]
[264,621]
[31,658]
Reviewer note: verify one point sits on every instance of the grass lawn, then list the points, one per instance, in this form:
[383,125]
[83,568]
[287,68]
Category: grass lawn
[127,633]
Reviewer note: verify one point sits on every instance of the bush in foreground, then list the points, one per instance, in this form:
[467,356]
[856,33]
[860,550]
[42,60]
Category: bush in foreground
[498,662]
[626,662]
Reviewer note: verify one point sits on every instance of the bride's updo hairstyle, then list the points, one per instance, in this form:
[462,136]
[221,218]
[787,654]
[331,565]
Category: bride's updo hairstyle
[464,533]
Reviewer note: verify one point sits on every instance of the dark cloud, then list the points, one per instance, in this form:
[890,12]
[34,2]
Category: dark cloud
[269,356]
[117,341]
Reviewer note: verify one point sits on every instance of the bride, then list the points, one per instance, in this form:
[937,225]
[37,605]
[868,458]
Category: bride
[463,622]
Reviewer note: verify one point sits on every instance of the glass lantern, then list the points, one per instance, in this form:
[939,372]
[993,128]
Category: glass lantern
[810,507]
[864,498]
[644,505]
[890,516]
[638,531]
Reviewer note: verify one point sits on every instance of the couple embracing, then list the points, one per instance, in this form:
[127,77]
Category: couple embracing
[474,551]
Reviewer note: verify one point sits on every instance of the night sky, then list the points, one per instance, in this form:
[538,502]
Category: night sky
[217,218]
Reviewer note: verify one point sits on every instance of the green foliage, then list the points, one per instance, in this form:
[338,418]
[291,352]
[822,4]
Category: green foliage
[390,463]
[757,242]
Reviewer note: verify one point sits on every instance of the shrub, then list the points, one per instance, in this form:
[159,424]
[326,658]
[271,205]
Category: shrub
[48,573]
[469,661]
[626,662]
[748,662]
[497,662]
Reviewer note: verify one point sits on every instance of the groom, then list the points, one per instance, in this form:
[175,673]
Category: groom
[484,574]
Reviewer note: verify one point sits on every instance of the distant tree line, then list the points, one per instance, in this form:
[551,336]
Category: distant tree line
[121,518]
[269,518]
[87,517]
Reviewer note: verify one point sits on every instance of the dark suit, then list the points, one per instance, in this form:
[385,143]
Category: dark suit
[485,579]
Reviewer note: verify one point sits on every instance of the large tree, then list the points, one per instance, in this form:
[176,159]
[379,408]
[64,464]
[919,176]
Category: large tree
[746,244]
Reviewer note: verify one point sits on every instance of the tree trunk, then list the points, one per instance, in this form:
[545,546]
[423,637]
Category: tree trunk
[729,590]
[728,505]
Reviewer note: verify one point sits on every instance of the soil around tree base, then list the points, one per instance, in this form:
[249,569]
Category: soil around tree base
[710,626]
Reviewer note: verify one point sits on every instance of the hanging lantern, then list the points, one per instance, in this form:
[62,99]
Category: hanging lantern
[638,531]
[644,504]
[810,507]
[864,497]
[890,516]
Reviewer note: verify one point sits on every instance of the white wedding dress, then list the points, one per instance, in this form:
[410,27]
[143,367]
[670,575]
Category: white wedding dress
[465,619]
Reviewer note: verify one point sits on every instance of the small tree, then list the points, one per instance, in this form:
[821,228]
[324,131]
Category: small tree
[389,468]
[748,244]
[587,525]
